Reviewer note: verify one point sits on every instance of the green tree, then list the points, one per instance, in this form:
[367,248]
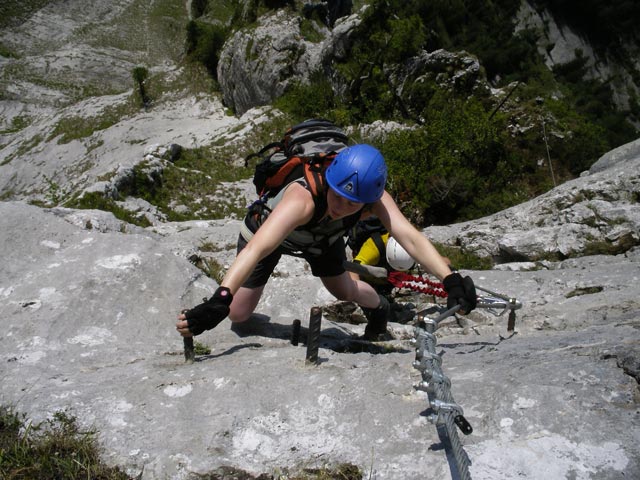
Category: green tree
[140,76]
[198,8]
[204,42]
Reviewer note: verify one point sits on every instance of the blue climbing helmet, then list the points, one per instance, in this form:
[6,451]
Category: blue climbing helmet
[358,173]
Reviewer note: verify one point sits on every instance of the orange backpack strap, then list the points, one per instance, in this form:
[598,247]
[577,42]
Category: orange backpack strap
[285,174]
[314,170]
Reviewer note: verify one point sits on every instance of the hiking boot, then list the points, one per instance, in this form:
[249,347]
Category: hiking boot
[402,312]
[377,320]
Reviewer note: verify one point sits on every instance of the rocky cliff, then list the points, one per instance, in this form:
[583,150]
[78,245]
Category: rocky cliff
[596,213]
[89,301]
[90,305]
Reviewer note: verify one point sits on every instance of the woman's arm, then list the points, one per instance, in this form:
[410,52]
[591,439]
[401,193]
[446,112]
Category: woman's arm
[296,208]
[411,239]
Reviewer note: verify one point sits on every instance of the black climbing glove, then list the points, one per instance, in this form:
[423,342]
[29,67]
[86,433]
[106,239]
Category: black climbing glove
[460,291]
[209,314]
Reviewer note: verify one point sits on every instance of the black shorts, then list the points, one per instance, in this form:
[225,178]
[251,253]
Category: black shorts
[328,264]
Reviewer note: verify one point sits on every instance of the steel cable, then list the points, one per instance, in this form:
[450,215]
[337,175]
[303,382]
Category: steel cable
[447,414]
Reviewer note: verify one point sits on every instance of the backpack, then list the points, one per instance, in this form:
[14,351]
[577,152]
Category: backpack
[370,227]
[305,150]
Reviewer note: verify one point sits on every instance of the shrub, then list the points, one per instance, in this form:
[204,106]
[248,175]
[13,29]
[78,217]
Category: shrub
[462,259]
[140,75]
[198,8]
[441,168]
[204,43]
[76,127]
[97,201]
[57,448]
[315,99]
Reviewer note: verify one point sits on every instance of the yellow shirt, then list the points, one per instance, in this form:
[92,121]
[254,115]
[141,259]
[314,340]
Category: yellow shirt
[369,253]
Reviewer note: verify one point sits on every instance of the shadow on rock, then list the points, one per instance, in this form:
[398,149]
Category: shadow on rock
[479,345]
[230,351]
[336,338]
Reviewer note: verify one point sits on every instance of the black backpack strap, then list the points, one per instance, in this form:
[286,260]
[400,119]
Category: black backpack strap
[382,248]
[377,240]
[261,152]
[320,202]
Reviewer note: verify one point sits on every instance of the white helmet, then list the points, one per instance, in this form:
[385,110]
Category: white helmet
[397,257]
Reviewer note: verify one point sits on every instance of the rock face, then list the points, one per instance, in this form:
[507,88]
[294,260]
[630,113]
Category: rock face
[258,64]
[595,213]
[81,163]
[558,45]
[273,56]
[456,72]
[90,305]
[69,66]
[268,58]
[59,51]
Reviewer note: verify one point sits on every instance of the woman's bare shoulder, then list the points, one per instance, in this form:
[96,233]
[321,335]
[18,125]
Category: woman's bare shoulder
[297,201]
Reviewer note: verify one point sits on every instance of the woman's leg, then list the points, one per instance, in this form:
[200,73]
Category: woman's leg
[244,303]
[343,287]
[329,268]
[375,307]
